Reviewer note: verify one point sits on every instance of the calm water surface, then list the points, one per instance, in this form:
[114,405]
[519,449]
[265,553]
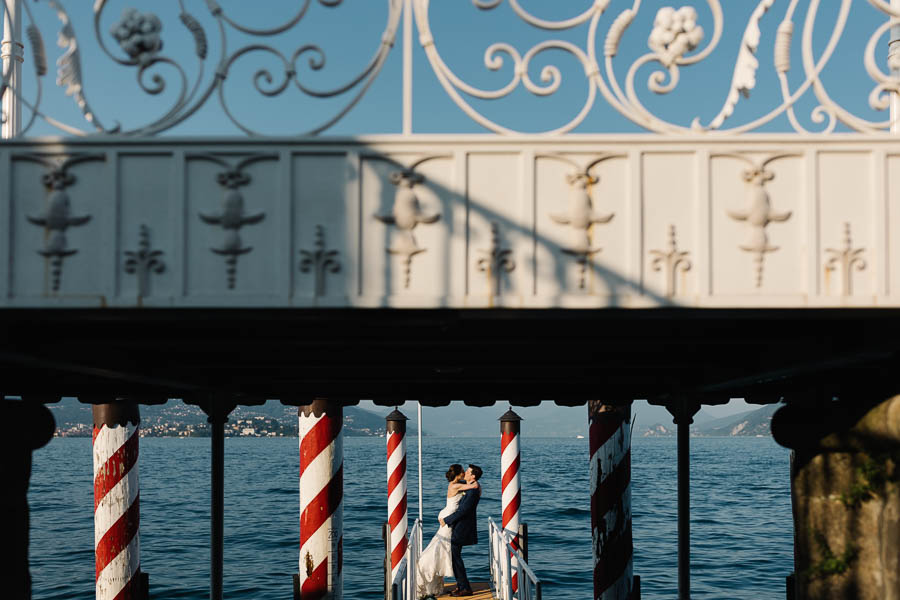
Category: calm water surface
[740,520]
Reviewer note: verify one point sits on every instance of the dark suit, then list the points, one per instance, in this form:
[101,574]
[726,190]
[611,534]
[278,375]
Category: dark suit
[465,533]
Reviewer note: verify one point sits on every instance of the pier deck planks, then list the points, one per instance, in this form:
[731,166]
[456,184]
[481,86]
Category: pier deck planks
[482,591]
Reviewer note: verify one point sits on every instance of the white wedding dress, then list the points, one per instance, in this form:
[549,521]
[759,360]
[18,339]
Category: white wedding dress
[435,563]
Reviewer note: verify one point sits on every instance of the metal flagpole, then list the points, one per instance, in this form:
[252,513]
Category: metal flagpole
[11,50]
[419,425]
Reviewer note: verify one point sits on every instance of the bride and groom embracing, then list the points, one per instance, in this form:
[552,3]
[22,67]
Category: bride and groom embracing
[442,557]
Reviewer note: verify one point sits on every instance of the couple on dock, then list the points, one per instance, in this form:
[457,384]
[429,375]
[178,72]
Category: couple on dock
[442,557]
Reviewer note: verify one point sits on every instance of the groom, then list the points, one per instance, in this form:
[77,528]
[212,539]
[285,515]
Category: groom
[465,531]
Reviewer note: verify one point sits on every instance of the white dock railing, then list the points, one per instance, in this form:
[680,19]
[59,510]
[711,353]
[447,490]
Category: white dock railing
[403,586]
[501,554]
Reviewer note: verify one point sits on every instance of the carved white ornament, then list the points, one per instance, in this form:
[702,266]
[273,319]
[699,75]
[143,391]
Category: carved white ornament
[57,216]
[406,214]
[671,262]
[232,216]
[138,35]
[320,261]
[581,217]
[758,214]
[848,259]
[675,33]
[495,261]
[143,261]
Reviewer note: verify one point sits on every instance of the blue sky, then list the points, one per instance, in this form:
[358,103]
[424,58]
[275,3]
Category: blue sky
[349,33]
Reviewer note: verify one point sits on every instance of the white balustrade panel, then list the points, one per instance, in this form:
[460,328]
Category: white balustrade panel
[452,221]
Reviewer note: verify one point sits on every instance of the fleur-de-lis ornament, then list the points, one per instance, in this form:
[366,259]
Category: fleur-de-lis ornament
[405,215]
[144,261]
[495,261]
[849,259]
[672,260]
[320,261]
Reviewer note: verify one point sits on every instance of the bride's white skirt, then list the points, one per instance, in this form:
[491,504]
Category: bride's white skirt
[435,564]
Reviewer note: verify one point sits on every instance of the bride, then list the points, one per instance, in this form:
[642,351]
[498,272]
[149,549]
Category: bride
[435,563]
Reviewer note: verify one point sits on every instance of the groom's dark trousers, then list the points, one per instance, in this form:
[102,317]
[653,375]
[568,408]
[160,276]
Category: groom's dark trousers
[459,569]
[465,533]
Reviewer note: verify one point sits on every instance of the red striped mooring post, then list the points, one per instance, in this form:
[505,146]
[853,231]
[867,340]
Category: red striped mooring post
[321,500]
[117,514]
[511,488]
[610,447]
[397,487]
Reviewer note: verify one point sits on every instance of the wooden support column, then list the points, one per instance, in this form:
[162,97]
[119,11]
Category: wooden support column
[321,500]
[117,502]
[845,492]
[610,451]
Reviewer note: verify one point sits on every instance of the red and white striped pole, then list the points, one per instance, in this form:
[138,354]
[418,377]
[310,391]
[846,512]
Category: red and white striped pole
[511,488]
[398,516]
[610,443]
[117,514]
[321,500]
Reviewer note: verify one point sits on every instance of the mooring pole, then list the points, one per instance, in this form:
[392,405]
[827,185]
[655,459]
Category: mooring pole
[321,500]
[683,412]
[511,489]
[610,457]
[12,51]
[117,513]
[398,515]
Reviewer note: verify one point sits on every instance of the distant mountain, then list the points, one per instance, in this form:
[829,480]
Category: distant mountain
[75,418]
[751,423]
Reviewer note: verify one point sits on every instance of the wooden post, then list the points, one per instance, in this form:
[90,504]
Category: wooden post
[117,513]
[321,500]
[610,444]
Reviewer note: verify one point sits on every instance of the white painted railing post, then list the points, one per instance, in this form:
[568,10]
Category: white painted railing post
[407,66]
[12,52]
[894,62]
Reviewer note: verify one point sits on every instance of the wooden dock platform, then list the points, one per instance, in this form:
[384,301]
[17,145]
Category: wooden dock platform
[482,591]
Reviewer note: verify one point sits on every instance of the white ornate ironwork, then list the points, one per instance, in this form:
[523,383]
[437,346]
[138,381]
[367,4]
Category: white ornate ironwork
[675,42]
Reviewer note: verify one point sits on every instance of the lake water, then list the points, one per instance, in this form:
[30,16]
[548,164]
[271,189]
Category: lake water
[740,515]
